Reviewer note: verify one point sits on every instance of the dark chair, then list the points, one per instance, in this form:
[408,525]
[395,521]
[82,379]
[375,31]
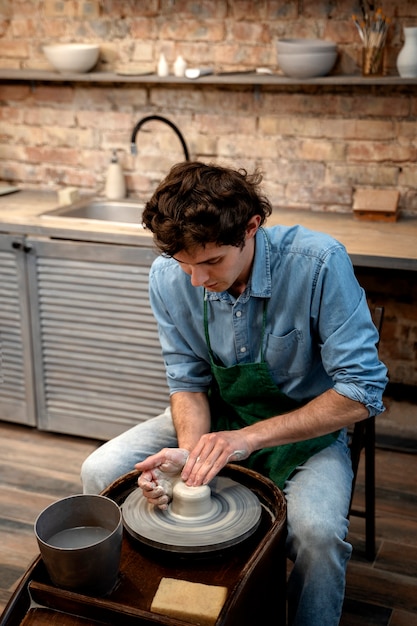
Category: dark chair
[363,438]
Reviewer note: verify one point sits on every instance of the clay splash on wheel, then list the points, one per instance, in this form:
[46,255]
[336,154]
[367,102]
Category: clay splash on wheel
[198,520]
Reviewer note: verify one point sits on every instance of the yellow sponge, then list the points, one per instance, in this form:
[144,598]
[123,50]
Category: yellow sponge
[189,601]
[68,195]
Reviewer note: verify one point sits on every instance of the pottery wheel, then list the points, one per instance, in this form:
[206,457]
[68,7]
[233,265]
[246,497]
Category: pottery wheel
[231,513]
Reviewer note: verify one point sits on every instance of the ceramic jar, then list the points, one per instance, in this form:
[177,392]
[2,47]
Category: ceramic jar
[407,58]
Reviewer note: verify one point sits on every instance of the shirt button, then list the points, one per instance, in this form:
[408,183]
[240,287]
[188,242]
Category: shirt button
[238,313]
[243,349]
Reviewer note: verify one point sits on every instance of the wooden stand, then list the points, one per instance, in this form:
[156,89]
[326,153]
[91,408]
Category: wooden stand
[254,573]
[376,205]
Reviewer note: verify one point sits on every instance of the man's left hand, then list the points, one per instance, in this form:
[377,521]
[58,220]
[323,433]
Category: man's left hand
[211,454]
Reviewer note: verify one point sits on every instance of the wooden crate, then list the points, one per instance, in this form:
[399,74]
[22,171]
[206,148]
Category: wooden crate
[376,205]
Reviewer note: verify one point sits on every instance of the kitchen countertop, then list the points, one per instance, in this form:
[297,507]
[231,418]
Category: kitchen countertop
[371,244]
[390,245]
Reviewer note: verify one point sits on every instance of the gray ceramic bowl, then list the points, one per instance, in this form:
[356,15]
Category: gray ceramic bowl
[306,58]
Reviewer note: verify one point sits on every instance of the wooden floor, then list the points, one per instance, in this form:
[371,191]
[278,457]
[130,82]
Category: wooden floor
[37,468]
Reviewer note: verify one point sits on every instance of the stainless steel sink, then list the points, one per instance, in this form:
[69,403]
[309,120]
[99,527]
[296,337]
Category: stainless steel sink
[117,211]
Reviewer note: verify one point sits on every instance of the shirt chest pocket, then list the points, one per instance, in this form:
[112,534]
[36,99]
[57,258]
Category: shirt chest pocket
[288,355]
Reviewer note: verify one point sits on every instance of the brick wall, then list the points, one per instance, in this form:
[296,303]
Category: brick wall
[315,144]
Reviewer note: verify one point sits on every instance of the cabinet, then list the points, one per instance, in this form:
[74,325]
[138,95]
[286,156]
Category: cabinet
[98,368]
[79,346]
[17,400]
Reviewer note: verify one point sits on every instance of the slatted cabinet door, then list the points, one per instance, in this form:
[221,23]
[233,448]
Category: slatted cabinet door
[98,363]
[17,401]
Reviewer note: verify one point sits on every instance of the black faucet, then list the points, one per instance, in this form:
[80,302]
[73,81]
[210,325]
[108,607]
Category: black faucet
[133,148]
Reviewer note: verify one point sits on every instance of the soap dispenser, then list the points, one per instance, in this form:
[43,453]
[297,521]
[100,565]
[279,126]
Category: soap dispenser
[115,188]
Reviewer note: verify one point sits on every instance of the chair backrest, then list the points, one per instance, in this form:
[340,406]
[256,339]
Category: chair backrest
[378,318]
[357,441]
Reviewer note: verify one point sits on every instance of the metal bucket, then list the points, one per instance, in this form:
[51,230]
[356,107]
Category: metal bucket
[80,541]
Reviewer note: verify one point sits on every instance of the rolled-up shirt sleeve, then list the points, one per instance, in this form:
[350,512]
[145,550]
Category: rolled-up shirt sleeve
[349,352]
[177,308]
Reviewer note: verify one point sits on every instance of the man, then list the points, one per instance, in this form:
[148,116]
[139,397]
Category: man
[270,353]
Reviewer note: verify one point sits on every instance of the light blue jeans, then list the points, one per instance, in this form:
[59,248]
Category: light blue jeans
[317,494]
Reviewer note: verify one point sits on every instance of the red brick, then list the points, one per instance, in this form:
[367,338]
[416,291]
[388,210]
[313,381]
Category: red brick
[12,115]
[48,117]
[192,30]
[247,10]
[403,9]
[67,156]
[381,104]
[142,28]
[219,124]
[53,94]
[203,10]
[108,121]
[319,194]
[88,9]
[18,49]
[24,28]
[14,93]
[378,175]
[54,29]
[341,31]
[380,151]
[243,55]
[408,175]
[61,8]
[249,32]
[123,9]
[278,10]
[321,150]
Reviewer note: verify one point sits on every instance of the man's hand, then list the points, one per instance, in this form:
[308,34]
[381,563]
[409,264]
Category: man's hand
[212,453]
[159,471]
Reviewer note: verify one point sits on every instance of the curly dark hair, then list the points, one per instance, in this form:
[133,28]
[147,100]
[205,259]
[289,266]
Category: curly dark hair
[198,204]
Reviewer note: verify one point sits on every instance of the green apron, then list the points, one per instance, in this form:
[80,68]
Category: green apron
[244,394]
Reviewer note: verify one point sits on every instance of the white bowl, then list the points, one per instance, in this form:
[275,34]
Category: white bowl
[72,57]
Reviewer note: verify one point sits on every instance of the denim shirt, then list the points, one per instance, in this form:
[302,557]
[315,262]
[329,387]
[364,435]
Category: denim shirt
[318,333]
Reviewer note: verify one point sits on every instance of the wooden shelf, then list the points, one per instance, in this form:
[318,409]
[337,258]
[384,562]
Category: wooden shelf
[223,79]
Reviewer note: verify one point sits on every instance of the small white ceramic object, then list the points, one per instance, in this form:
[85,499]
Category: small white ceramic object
[162,68]
[306,58]
[179,67]
[197,72]
[407,58]
[72,57]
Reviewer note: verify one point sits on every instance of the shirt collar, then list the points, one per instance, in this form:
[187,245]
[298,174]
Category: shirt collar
[259,285]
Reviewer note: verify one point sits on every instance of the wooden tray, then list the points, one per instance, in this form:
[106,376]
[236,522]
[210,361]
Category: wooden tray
[253,572]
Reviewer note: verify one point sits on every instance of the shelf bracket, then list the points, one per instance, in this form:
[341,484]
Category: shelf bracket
[256,93]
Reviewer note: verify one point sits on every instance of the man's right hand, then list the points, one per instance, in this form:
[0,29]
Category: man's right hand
[159,472]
